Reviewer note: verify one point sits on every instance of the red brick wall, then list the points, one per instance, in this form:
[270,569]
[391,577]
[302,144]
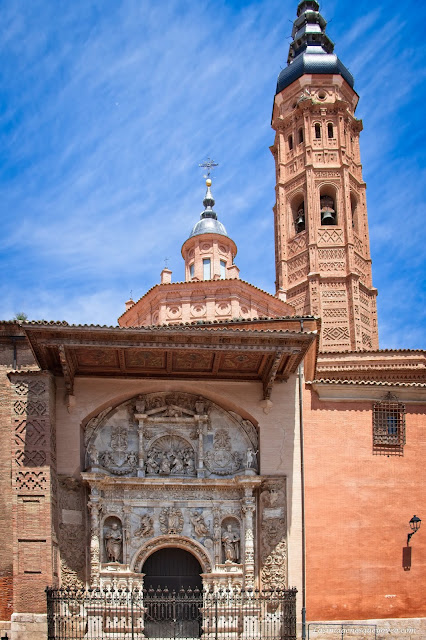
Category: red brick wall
[11,335]
[358,506]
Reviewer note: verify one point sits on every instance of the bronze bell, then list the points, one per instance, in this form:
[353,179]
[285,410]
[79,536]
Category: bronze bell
[328,216]
[300,222]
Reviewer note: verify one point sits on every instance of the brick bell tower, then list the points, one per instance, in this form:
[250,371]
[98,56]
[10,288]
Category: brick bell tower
[323,263]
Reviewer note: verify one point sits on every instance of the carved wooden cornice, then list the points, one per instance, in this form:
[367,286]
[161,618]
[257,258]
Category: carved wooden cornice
[263,350]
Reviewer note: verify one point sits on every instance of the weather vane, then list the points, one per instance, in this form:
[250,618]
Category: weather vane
[209,165]
[166,262]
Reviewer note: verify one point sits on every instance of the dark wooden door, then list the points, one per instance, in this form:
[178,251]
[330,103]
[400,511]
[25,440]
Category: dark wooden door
[172,608]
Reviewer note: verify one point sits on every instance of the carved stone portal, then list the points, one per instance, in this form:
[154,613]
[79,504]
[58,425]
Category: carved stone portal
[171,469]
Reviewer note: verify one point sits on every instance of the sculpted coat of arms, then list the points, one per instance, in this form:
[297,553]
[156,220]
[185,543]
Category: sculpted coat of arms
[222,460]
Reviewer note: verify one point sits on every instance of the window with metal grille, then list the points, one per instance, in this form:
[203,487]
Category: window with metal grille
[389,427]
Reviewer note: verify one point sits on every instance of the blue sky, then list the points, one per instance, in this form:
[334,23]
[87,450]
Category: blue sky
[107,108]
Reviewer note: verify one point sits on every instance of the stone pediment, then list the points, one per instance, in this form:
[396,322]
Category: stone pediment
[171,411]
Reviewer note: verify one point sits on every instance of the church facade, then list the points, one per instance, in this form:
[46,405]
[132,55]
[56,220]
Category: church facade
[222,437]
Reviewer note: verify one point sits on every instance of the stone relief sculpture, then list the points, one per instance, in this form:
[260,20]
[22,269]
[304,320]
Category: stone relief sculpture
[230,544]
[171,434]
[118,461]
[146,527]
[113,539]
[273,544]
[71,532]
[171,520]
[222,460]
[170,455]
[200,528]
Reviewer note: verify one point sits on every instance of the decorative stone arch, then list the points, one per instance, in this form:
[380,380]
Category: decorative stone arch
[176,541]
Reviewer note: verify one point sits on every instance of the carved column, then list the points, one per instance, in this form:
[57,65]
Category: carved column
[140,417]
[127,510]
[95,559]
[217,534]
[248,509]
[200,431]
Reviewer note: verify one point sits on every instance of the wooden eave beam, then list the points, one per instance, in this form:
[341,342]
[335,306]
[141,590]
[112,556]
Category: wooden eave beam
[68,369]
[269,379]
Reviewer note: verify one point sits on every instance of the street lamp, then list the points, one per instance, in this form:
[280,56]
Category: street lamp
[415,523]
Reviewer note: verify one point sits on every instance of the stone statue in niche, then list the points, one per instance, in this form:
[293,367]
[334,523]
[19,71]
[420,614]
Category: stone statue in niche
[113,538]
[146,527]
[171,520]
[230,544]
[200,527]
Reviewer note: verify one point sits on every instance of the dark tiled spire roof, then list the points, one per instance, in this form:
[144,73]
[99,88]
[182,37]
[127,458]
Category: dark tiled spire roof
[311,50]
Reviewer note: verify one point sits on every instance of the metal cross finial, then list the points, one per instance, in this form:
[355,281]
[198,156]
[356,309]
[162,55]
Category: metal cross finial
[131,294]
[166,262]
[209,165]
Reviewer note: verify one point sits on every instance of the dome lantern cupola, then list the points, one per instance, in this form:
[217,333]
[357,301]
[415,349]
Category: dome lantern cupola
[209,252]
[208,222]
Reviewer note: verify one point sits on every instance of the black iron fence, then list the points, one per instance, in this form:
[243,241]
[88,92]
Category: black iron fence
[124,614]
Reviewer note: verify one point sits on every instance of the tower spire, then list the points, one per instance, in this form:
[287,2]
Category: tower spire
[208,203]
[311,50]
[323,262]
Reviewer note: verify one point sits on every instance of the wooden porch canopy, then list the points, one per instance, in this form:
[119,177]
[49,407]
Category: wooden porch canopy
[258,350]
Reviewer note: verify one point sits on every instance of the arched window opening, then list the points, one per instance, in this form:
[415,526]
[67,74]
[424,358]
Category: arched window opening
[290,142]
[330,130]
[328,210]
[317,130]
[299,221]
[300,135]
[298,213]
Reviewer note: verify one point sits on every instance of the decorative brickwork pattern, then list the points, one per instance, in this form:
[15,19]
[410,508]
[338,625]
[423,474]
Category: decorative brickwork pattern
[34,485]
[31,481]
[297,245]
[330,236]
[328,168]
